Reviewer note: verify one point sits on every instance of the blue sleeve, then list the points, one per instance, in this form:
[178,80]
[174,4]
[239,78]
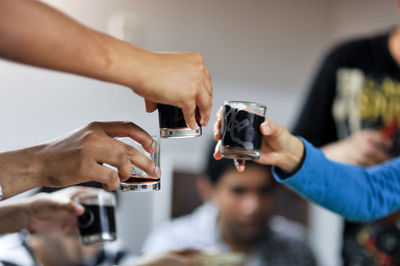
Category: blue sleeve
[357,193]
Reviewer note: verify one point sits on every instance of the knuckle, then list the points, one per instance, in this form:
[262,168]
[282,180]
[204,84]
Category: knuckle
[93,125]
[122,158]
[191,94]
[197,55]
[128,124]
[87,140]
[148,142]
[111,178]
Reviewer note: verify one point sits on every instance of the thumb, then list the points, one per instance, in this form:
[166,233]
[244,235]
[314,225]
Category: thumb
[269,128]
[150,106]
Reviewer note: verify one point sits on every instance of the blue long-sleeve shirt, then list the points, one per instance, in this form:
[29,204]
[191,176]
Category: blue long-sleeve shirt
[357,193]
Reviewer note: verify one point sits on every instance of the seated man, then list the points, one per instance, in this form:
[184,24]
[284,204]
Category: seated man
[236,218]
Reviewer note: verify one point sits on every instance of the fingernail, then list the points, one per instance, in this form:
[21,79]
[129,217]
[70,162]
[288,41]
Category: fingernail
[241,168]
[236,164]
[196,126]
[265,127]
[79,208]
[157,171]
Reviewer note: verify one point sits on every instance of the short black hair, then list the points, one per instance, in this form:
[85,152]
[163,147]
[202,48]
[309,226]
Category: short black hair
[215,169]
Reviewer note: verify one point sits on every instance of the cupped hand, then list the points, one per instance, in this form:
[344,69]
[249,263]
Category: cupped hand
[54,212]
[79,156]
[279,147]
[366,148]
[178,79]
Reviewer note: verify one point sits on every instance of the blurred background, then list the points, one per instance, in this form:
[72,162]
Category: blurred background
[259,50]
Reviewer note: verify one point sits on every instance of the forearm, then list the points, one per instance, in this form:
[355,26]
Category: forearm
[20,170]
[355,192]
[13,217]
[34,33]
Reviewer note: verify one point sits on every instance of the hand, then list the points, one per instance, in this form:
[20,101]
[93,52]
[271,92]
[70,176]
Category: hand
[365,148]
[78,157]
[179,79]
[279,147]
[171,258]
[57,211]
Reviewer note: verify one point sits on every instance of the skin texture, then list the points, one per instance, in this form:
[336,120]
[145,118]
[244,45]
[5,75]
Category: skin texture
[34,33]
[245,202]
[43,212]
[279,147]
[365,148]
[76,158]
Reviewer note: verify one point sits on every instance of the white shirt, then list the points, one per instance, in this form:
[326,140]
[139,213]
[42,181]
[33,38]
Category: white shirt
[284,244]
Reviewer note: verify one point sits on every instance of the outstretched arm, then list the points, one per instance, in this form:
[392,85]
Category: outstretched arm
[34,33]
[77,157]
[357,193]
[44,212]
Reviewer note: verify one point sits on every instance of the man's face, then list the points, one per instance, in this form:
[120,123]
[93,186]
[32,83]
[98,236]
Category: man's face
[245,202]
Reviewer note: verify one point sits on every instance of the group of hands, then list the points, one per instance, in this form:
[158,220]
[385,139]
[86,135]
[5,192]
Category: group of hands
[80,157]
[82,153]
[179,79]
[57,211]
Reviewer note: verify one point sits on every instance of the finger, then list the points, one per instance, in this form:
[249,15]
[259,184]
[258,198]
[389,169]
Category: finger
[379,141]
[78,209]
[143,162]
[240,165]
[217,151]
[74,208]
[104,175]
[365,161]
[78,190]
[376,156]
[150,106]
[209,87]
[126,156]
[189,113]
[128,129]
[114,153]
[270,128]
[204,103]
[217,125]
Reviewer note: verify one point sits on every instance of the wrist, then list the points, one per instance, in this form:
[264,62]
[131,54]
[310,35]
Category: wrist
[23,215]
[126,63]
[20,170]
[294,155]
[33,173]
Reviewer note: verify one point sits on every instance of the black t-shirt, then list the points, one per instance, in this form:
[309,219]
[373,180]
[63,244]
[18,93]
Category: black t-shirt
[357,87]
[371,58]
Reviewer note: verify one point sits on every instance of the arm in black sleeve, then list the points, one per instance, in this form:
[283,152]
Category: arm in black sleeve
[316,122]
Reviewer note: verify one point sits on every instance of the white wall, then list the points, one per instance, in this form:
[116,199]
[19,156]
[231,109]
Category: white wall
[257,50]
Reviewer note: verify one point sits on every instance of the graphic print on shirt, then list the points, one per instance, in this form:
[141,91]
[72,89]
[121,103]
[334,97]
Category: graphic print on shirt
[365,101]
